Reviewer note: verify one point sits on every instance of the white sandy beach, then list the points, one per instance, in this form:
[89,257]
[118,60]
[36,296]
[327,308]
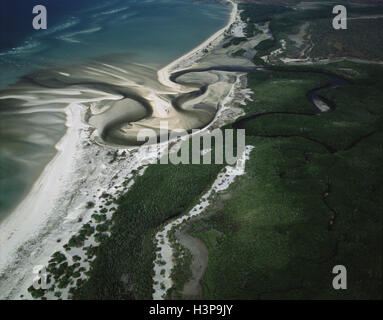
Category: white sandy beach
[78,172]
[31,216]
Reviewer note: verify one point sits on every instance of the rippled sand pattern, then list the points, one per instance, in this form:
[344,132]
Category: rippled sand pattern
[122,98]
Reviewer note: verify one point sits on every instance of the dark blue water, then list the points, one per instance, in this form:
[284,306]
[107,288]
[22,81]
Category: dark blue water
[153,31]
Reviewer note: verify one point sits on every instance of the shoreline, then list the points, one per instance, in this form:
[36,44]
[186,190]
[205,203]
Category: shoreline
[192,56]
[37,194]
[30,217]
[33,223]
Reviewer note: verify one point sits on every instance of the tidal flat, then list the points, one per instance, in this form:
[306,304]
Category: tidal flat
[308,198]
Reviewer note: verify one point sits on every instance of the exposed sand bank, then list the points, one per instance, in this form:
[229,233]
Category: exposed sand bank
[81,171]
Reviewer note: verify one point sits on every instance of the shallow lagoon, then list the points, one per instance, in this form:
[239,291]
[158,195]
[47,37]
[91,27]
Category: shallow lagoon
[152,32]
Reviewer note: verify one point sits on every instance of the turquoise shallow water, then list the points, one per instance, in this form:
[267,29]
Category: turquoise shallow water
[151,32]
[154,31]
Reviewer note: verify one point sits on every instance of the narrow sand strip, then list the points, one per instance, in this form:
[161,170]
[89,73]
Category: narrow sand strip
[35,208]
[64,187]
[193,55]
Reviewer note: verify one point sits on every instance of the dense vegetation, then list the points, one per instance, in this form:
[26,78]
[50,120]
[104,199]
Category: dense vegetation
[360,40]
[302,209]
[258,13]
[311,198]
[123,268]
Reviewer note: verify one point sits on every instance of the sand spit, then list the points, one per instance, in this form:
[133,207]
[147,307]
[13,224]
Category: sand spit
[197,53]
[82,171]
[57,206]
[321,105]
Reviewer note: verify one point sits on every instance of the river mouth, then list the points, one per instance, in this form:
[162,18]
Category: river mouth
[122,100]
[110,32]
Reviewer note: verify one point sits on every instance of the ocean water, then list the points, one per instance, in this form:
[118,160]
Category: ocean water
[152,32]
